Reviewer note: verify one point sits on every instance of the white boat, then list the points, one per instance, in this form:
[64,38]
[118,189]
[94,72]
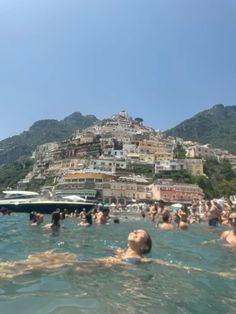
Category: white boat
[28,201]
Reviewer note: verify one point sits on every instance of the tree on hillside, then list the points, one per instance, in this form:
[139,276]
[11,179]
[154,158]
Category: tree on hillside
[139,120]
[179,152]
[228,188]
[11,174]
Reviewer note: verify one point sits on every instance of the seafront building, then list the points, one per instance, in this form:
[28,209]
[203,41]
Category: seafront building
[88,184]
[172,192]
[108,188]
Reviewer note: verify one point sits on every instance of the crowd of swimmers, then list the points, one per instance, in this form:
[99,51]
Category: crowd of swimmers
[215,212]
[99,215]
[162,216]
[139,241]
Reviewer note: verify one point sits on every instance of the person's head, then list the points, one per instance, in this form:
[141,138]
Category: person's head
[140,241]
[161,203]
[32,216]
[166,217]
[232,219]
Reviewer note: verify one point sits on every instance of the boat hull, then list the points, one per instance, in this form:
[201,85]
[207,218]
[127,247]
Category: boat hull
[45,207]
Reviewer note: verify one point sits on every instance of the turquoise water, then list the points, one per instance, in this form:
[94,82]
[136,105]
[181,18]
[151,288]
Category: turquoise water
[142,288]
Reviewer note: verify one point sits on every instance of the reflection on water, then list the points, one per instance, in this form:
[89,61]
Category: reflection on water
[140,288]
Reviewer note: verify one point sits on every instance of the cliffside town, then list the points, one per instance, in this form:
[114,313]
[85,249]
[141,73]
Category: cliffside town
[105,162]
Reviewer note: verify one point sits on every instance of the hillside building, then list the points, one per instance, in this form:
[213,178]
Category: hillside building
[193,166]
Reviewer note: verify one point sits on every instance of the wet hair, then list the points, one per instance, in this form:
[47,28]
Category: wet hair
[116,220]
[148,244]
[32,216]
[89,218]
[166,217]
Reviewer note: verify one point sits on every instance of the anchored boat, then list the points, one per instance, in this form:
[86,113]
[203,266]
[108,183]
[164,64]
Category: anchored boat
[28,201]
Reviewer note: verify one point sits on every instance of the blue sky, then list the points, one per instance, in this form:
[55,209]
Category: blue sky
[162,60]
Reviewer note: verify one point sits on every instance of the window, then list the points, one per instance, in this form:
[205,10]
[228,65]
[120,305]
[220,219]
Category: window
[89,180]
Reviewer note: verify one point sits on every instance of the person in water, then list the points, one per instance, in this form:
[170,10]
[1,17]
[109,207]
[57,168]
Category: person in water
[85,218]
[37,220]
[139,244]
[181,218]
[100,217]
[56,217]
[166,224]
[153,212]
[229,236]
[213,214]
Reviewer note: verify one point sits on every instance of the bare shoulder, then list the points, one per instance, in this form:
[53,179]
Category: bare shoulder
[225,234]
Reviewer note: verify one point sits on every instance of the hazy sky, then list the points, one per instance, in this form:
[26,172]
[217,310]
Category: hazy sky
[162,60]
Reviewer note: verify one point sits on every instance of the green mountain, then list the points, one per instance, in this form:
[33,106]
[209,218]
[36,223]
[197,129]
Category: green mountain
[20,146]
[216,126]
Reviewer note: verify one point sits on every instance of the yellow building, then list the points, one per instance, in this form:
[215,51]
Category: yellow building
[161,150]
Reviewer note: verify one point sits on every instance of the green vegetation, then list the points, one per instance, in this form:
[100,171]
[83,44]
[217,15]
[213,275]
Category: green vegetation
[139,120]
[220,179]
[11,174]
[216,126]
[179,176]
[179,152]
[41,132]
[138,169]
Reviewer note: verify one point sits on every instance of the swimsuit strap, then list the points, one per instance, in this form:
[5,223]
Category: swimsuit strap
[132,260]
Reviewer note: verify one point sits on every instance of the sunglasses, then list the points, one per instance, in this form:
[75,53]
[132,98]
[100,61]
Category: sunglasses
[232,219]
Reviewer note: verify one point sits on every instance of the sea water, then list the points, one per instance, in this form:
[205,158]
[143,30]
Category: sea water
[139,288]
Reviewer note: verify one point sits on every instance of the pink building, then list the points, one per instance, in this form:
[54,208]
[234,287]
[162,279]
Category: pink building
[172,192]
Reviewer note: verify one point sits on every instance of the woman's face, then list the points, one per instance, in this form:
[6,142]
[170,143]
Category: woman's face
[137,239]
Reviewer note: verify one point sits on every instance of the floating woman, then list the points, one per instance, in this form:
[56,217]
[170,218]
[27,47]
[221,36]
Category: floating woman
[139,244]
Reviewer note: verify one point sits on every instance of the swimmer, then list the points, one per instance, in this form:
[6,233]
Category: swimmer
[38,219]
[86,218]
[5,211]
[83,218]
[229,236]
[100,217]
[139,244]
[181,218]
[166,225]
[55,220]
[153,212]
[160,211]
